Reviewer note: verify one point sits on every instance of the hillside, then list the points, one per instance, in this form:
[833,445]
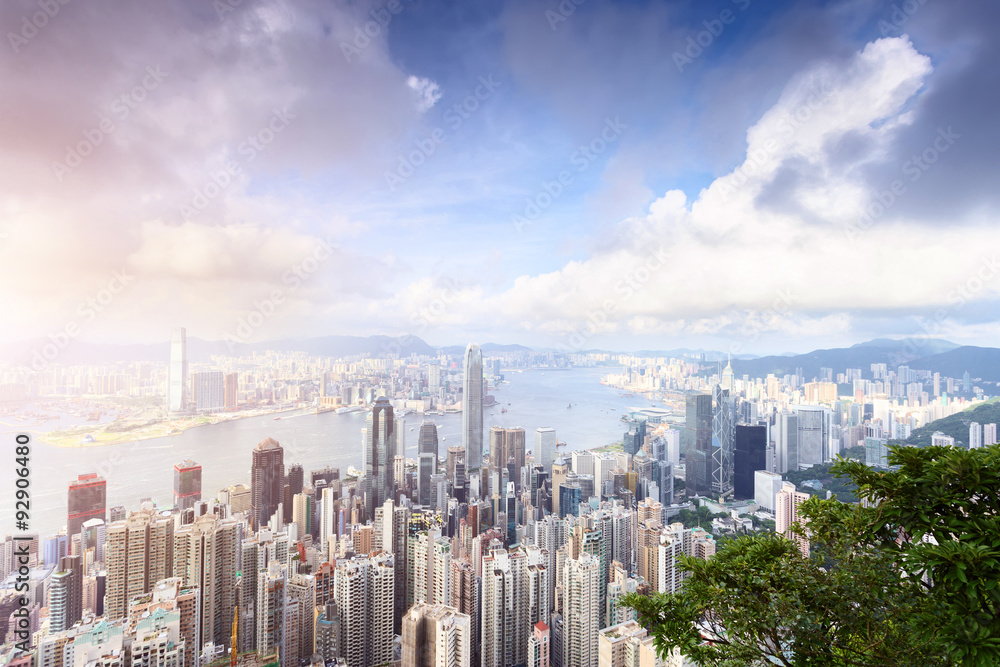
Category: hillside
[957,425]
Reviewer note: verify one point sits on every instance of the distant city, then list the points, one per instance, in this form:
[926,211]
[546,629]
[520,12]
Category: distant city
[502,549]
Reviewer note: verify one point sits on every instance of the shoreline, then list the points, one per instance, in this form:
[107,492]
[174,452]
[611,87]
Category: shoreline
[103,438]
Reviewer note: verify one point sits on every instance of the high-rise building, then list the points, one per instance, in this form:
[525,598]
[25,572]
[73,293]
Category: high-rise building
[723,420]
[539,646]
[66,601]
[813,436]
[698,444]
[364,596]
[87,500]
[436,636]
[208,392]
[505,619]
[749,456]
[427,441]
[139,551]
[187,484]
[989,434]
[177,377]
[506,445]
[380,453]
[975,435]
[230,390]
[206,555]
[787,443]
[786,513]
[472,409]
[582,607]
[766,486]
[267,484]
[545,447]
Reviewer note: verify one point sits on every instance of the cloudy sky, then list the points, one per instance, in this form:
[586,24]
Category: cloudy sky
[749,175]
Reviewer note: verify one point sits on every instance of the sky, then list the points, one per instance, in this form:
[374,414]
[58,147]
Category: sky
[757,177]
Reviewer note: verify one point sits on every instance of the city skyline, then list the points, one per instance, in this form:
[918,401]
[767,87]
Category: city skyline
[760,155]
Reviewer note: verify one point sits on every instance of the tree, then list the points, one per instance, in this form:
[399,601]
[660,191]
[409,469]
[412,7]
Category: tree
[759,601]
[910,576]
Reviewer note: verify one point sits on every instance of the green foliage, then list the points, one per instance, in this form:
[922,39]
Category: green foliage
[702,517]
[909,577]
[760,602]
[843,489]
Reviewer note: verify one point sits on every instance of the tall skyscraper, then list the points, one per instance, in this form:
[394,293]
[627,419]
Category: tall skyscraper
[267,473]
[138,552]
[66,605]
[364,594]
[207,555]
[723,420]
[545,447]
[698,444]
[208,392]
[230,388]
[749,456]
[506,445]
[436,636]
[87,500]
[472,409]
[581,611]
[814,435]
[786,513]
[177,376]
[380,453]
[427,441]
[187,484]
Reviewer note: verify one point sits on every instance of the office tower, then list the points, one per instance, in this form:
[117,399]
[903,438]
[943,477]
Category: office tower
[506,445]
[436,635]
[93,534]
[698,444]
[472,409]
[673,445]
[177,376]
[364,595]
[545,447]
[187,484]
[813,436]
[766,486]
[786,513]
[723,420]
[139,552]
[787,443]
[975,435]
[295,479]
[230,390]
[87,500]
[206,555]
[581,611]
[380,453]
[539,647]
[635,437]
[749,456]
[208,392]
[427,441]
[267,472]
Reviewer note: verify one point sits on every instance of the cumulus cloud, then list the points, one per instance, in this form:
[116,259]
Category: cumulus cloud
[428,92]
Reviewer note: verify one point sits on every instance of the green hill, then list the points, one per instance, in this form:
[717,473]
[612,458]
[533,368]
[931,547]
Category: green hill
[957,425]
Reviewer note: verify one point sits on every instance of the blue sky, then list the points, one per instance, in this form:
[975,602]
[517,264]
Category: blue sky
[760,177]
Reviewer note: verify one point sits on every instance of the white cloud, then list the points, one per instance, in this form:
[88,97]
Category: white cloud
[428,92]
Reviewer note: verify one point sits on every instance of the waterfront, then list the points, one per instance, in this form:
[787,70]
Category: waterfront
[145,468]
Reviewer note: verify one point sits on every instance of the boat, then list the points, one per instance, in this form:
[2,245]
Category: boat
[569,406]
[411,428]
[277,418]
[503,410]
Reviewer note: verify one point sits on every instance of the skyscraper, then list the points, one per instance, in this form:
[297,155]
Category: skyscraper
[364,596]
[545,447]
[380,452]
[139,552]
[786,513]
[230,388]
[472,409]
[749,452]
[87,500]
[208,392]
[267,474]
[698,444]
[581,611]
[723,420]
[506,444]
[177,377]
[207,555]
[187,484]
[436,636]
